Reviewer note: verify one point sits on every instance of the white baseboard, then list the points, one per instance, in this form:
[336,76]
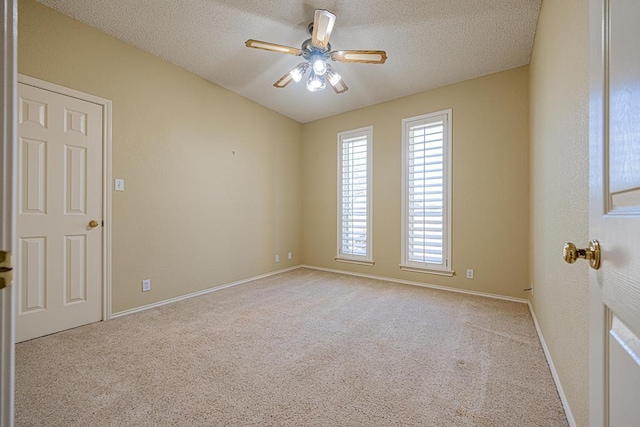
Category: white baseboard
[350,273]
[554,373]
[196,294]
[423,285]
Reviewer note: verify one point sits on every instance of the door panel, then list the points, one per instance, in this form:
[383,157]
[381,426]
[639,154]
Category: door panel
[34,176]
[60,192]
[624,375]
[75,276]
[624,93]
[621,291]
[75,175]
[615,212]
[33,274]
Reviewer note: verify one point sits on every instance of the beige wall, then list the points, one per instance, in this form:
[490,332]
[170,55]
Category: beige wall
[193,215]
[559,190]
[490,183]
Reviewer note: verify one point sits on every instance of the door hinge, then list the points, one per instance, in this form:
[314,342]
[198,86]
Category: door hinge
[103,222]
[6,268]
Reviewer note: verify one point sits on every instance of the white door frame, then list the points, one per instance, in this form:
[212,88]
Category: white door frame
[106,177]
[8,127]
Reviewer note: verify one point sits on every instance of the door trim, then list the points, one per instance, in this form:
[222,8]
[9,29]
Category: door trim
[598,123]
[106,178]
[8,130]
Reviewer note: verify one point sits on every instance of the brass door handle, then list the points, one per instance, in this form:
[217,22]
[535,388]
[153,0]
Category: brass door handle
[6,267]
[93,223]
[591,253]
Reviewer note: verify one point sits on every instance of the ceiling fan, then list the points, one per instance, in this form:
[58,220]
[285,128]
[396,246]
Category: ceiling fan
[317,51]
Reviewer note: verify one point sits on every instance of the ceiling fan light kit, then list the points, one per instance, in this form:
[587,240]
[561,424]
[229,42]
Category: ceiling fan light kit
[316,82]
[298,72]
[317,51]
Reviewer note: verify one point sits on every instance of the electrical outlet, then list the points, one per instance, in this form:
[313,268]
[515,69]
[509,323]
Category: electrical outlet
[146,285]
[290,255]
[469,273]
[277,258]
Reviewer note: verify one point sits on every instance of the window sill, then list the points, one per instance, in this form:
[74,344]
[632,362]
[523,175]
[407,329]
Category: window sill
[448,273]
[354,261]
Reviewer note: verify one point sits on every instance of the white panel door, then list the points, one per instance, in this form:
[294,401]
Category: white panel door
[58,268]
[615,212]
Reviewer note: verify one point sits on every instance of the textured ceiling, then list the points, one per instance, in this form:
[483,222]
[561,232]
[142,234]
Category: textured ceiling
[429,43]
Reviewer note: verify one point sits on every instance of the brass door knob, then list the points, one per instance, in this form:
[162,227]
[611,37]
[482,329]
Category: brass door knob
[591,253]
[93,223]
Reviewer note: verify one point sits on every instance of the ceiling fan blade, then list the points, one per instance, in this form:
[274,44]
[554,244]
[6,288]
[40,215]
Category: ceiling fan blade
[257,44]
[294,75]
[284,81]
[323,22]
[360,56]
[335,80]
[339,87]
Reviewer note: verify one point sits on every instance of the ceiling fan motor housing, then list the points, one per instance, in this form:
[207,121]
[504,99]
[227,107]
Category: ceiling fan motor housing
[309,50]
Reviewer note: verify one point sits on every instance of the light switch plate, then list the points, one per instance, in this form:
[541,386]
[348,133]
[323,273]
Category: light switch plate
[119,184]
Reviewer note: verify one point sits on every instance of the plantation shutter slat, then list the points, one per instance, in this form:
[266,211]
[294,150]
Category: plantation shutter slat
[425,175]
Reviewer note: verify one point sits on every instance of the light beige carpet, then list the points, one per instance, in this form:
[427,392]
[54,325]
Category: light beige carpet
[303,348]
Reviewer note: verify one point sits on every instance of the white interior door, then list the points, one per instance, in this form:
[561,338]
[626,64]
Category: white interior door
[615,212]
[59,262]
[8,38]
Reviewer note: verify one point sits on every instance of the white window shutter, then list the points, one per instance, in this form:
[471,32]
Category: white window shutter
[426,192]
[354,194]
[426,222]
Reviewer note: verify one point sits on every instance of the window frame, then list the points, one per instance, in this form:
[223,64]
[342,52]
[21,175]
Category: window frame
[350,258]
[444,269]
